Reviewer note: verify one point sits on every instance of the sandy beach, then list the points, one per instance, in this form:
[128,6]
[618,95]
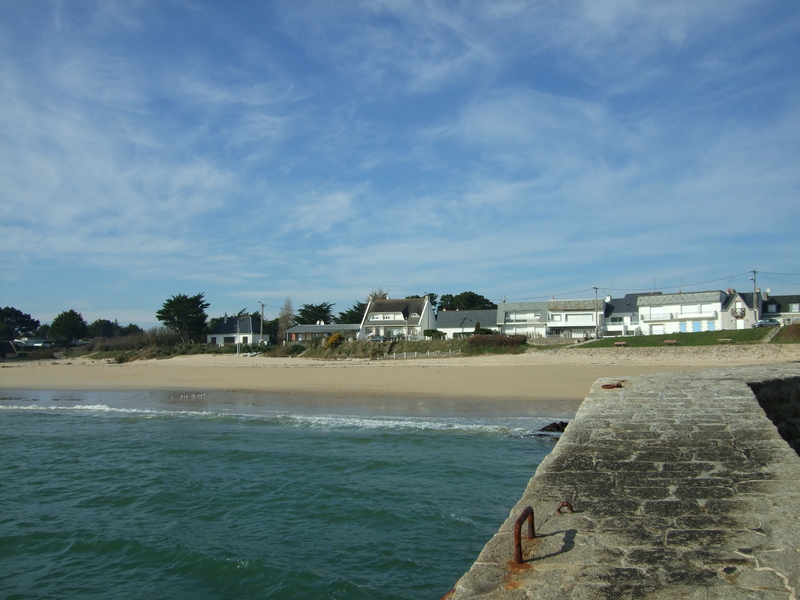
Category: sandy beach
[554,379]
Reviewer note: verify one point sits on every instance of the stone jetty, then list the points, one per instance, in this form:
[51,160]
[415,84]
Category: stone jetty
[681,486]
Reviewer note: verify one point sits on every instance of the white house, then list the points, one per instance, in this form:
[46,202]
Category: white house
[451,322]
[236,330]
[675,313]
[407,318]
[575,318]
[522,318]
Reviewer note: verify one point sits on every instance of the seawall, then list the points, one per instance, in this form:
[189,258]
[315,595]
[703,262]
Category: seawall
[681,487]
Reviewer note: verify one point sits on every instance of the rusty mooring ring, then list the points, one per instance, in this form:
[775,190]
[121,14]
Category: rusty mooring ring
[563,505]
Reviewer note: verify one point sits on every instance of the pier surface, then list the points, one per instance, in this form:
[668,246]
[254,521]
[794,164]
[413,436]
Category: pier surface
[682,488]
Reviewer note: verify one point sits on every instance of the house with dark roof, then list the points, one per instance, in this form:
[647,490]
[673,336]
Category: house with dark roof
[406,318]
[784,308]
[522,318]
[451,322]
[622,316]
[236,330]
[738,311]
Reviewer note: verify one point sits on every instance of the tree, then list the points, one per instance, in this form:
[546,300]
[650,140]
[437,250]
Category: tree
[185,316]
[102,328]
[69,326]
[285,319]
[271,329]
[130,329]
[15,323]
[466,301]
[311,314]
[378,294]
[354,314]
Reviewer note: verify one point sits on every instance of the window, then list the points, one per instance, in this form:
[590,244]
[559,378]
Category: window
[772,308]
[556,317]
[374,317]
[414,315]
[794,307]
[387,317]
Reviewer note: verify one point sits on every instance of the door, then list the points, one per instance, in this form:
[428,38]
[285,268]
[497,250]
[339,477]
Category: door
[657,330]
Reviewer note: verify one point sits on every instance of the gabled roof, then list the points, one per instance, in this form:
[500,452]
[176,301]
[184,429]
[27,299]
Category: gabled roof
[466,319]
[405,306]
[734,296]
[680,298]
[228,326]
[623,306]
[783,302]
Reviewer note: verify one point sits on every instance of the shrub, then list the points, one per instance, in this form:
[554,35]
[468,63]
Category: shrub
[434,334]
[334,341]
[496,341]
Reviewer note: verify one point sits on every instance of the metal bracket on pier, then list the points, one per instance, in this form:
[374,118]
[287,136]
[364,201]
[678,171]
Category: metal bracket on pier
[527,514]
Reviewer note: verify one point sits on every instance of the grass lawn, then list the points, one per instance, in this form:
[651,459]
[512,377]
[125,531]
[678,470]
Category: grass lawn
[705,338]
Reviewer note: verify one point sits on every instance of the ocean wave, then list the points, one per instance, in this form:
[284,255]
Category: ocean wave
[513,426]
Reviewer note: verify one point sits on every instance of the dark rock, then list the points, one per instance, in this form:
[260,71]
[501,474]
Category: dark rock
[558,427]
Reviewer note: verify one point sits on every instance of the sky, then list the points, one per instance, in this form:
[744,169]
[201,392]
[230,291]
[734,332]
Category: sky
[318,150]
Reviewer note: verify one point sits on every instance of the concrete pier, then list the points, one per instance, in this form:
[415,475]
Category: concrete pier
[682,488]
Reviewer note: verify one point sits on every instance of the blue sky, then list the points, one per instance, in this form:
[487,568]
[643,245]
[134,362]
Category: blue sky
[318,150]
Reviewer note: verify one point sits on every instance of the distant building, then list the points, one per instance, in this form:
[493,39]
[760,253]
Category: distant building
[451,322]
[784,308]
[236,330]
[406,318]
[307,333]
[676,313]
[522,318]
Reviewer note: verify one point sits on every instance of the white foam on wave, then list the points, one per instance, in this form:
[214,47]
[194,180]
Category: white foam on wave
[499,425]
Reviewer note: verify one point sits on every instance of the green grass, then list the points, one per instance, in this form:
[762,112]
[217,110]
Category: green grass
[705,338]
[788,335]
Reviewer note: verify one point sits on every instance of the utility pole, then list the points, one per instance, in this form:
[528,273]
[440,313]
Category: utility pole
[755,299]
[261,335]
[596,321]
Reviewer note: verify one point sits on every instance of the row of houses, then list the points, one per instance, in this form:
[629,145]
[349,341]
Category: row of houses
[633,314]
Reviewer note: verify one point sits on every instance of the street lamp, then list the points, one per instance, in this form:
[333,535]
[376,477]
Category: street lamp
[261,334]
[755,300]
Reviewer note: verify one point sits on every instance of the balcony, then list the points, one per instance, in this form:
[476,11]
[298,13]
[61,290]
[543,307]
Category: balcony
[676,316]
[738,313]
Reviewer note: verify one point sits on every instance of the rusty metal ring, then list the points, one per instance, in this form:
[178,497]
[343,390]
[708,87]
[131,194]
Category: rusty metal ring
[563,505]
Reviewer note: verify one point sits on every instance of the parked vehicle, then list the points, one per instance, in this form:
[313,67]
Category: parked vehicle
[378,338]
[767,323]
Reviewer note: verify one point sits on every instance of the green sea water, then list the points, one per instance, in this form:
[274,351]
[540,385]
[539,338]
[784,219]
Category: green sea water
[154,495]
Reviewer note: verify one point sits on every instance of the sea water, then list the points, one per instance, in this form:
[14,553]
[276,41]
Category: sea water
[159,495]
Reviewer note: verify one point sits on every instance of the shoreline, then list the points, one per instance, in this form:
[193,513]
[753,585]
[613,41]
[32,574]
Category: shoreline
[554,380]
